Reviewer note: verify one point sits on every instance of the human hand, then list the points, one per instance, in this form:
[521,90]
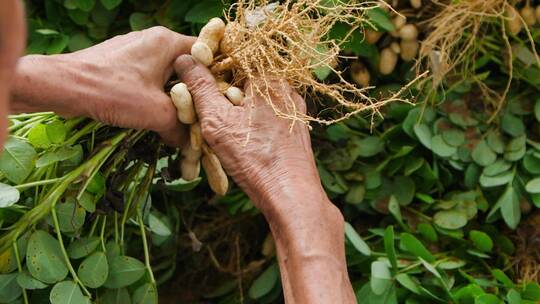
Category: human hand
[118,82]
[272,161]
[260,151]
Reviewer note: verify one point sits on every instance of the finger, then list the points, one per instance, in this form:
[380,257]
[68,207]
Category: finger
[202,86]
[176,136]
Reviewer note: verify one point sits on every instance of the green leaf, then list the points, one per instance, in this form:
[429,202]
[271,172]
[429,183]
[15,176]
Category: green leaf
[495,141]
[450,219]
[356,194]
[38,137]
[56,132]
[497,180]
[512,125]
[483,155]
[394,209]
[110,4]
[70,215]
[381,278]
[204,11]
[355,239]
[157,226]
[487,299]
[124,271]
[115,296]
[513,297]
[427,231]
[181,185]
[64,153]
[44,258]
[531,291]
[389,247]
[94,270]
[145,294]
[67,292]
[414,246]
[85,5]
[367,147]
[441,148]
[265,282]
[453,137]
[380,19]
[500,276]
[537,110]
[82,247]
[516,148]
[403,190]
[451,263]
[9,195]
[407,281]
[498,167]
[79,41]
[97,184]
[510,210]
[17,160]
[424,134]
[140,21]
[9,289]
[532,186]
[26,281]
[481,240]
[531,163]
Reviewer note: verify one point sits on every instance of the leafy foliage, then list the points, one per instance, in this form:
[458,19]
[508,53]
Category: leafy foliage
[427,192]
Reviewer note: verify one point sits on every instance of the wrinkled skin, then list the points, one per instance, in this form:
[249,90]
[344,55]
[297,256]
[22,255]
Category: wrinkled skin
[118,82]
[276,168]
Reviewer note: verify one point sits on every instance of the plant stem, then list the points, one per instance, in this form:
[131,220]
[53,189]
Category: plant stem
[66,257]
[19,266]
[37,183]
[42,209]
[102,234]
[145,248]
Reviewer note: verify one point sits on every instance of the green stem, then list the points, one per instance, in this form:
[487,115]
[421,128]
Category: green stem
[82,132]
[42,209]
[94,225]
[37,183]
[19,266]
[65,254]
[145,248]
[102,234]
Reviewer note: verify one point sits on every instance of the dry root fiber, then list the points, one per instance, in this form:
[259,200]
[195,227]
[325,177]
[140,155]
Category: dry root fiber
[527,258]
[455,32]
[288,41]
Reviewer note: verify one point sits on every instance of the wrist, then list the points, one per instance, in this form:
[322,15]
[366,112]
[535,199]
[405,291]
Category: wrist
[50,83]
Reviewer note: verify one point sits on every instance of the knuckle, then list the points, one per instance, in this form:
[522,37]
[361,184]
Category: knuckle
[160,33]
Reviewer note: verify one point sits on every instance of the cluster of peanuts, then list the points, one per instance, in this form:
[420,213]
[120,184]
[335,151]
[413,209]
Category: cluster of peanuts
[405,45]
[197,151]
[529,14]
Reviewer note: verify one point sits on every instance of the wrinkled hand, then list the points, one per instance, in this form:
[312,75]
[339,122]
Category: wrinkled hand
[260,151]
[119,82]
[272,161]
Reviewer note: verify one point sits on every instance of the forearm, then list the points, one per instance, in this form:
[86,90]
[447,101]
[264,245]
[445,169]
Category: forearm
[309,236]
[52,83]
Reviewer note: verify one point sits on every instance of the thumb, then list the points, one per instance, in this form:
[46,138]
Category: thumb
[202,86]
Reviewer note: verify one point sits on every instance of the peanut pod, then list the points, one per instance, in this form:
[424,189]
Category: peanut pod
[190,165]
[181,99]
[195,136]
[217,179]
[207,43]
[235,95]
